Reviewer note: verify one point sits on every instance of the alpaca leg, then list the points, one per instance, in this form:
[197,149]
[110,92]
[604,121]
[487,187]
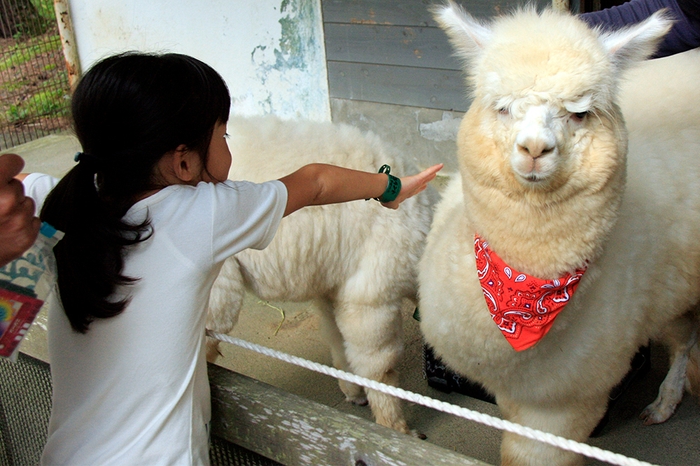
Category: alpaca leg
[225,303]
[373,347]
[573,421]
[331,334]
[681,336]
[692,383]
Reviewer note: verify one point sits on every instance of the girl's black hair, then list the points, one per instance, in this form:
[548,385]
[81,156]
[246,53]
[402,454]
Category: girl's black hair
[128,111]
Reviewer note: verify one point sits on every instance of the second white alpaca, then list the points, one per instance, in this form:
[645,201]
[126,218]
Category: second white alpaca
[357,261]
[546,185]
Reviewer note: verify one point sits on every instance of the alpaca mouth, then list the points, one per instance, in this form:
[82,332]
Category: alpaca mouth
[533,177]
[531,170]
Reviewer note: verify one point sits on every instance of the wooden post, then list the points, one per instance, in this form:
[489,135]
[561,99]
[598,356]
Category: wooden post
[70,48]
[295,431]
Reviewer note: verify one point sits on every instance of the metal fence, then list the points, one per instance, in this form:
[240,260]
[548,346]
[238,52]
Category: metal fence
[34,88]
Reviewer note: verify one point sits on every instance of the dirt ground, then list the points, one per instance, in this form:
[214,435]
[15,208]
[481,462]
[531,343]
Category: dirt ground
[19,83]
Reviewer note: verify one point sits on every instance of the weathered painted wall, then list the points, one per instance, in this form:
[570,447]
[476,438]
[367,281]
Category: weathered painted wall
[270,52]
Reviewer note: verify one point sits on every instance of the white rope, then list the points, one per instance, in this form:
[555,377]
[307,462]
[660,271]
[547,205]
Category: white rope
[534,434]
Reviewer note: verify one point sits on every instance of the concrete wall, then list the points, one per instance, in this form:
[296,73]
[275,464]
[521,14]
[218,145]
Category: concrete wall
[270,52]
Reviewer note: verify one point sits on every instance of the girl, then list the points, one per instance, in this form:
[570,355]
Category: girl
[149,218]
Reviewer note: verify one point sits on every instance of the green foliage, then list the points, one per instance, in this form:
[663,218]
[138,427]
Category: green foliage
[16,113]
[25,51]
[11,86]
[45,9]
[46,102]
[33,18]
[34,84]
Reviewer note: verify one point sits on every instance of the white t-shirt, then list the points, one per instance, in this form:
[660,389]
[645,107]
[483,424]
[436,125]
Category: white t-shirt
[134,389]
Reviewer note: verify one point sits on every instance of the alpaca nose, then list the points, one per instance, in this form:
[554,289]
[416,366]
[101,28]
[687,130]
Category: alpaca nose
[535,133]
[535,147]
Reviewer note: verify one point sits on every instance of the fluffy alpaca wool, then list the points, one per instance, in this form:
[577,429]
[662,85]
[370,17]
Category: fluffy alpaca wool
[357,261]
[545,177]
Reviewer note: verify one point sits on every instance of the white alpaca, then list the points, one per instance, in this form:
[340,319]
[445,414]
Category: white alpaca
[357,261]
[546,181]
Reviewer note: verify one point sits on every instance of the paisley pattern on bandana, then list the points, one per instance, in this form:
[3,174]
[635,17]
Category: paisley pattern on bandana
[522,306]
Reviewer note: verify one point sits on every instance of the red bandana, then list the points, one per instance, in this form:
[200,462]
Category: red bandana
[524,307]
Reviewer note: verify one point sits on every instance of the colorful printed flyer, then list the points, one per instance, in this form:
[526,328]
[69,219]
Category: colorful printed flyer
[17,312]
[25,284]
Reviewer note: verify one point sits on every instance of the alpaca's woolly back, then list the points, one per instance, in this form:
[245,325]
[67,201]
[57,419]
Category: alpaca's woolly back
[318,250]
[268,147]
[670,84]
[357,261]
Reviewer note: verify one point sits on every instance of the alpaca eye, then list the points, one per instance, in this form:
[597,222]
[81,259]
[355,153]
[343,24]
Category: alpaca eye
[503,111]
[580,115]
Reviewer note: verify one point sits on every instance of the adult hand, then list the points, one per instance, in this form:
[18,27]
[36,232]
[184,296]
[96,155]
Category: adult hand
[18,225]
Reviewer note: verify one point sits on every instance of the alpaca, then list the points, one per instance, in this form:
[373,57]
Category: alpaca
[357,261]
[548,196]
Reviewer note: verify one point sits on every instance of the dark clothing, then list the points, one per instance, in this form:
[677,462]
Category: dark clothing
[684,35]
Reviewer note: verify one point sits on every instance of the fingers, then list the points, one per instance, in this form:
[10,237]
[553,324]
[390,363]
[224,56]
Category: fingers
[10,166]
[18,232]
[17,236]
[414,184]
[16,212]
[420,180]
[11,190]
[424,177]
[18,225]
[12,199]
[432,171]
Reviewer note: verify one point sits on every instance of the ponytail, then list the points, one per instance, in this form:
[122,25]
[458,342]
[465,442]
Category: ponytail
[128,111]
[90,257]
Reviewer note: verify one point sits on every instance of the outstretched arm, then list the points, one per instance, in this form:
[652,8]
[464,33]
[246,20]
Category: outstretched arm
[319,184]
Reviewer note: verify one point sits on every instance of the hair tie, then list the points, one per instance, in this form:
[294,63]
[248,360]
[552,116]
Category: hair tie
[85,157]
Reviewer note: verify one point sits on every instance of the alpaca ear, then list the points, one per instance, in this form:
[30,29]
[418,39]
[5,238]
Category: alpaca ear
[467,35]
[638,42]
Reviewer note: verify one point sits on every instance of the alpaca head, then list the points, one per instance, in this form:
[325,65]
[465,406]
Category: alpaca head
[544,120]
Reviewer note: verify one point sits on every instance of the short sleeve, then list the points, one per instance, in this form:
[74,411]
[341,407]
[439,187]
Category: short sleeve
[37,186]
[246,215]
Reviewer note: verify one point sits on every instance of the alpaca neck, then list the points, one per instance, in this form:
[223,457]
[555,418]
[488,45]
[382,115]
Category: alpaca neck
[544,234]
[555,227]
[545,241]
